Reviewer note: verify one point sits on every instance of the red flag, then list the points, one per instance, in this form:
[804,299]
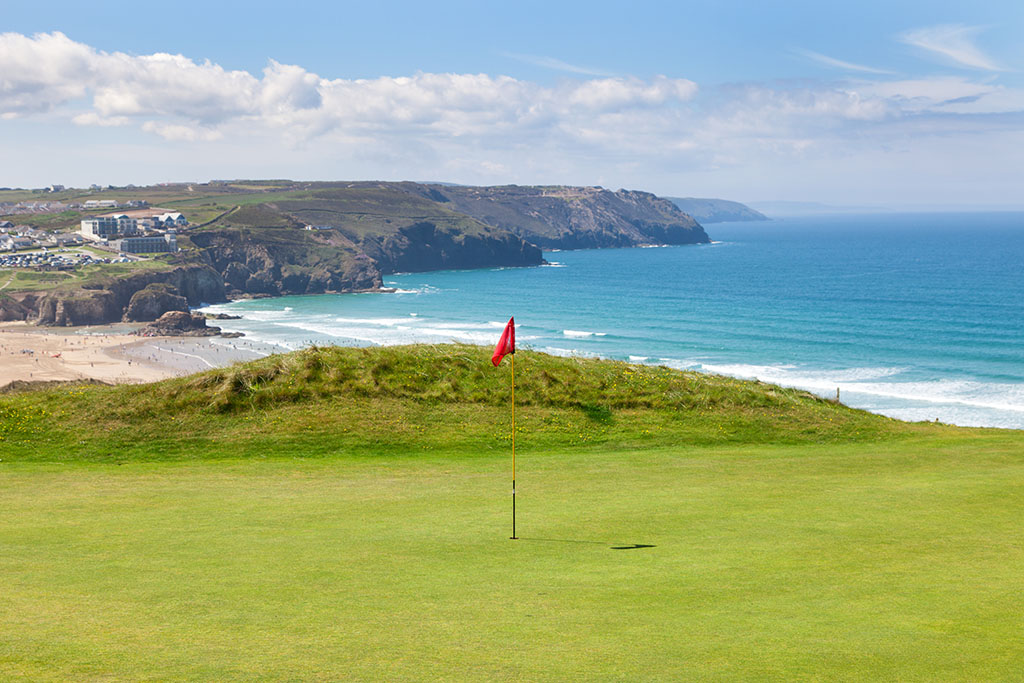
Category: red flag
[507,343]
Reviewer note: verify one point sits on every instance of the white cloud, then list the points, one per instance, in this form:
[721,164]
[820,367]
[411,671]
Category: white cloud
[613,93]
[286,87]
[954,42]
[477,127]
[172,91]
[40,72]
[840,64]
[91,118]
[171,85]
[181,133]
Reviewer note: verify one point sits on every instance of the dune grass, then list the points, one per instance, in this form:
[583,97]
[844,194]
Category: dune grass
[330,401]
[344,513]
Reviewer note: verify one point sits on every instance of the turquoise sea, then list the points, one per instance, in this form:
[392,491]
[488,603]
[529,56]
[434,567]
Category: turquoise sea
[916,316]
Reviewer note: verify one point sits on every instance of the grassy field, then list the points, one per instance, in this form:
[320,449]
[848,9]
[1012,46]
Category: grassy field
[345,513]
[24,280]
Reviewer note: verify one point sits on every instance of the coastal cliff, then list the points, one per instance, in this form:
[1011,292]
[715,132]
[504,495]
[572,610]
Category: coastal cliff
[107,302]
[355,235]
[273,238]
[563,217]
[280,261]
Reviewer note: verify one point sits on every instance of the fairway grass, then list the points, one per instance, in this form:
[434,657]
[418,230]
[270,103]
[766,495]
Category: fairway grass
[899,559]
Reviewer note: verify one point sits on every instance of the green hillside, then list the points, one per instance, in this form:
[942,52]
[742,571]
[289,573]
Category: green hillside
[344,514]
[323,401]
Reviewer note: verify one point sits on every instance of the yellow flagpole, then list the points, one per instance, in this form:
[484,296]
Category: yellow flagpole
[513,361]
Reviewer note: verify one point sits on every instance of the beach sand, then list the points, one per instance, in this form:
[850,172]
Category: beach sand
[109,354]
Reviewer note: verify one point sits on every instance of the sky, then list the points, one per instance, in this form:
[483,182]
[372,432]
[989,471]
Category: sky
[885,104]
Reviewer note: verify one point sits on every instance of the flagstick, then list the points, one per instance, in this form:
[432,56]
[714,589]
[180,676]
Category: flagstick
[513,361]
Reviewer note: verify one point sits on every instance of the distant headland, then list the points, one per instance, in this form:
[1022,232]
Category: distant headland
[102,255]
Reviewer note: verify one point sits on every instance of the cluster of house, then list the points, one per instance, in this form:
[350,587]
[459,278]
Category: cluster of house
[13,208]
[135,228]
[15,237]
[136,232]
[16,208]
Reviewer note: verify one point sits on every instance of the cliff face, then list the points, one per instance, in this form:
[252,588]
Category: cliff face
[275,261]
[79,307]
[424,246]
[15,309]
[281,261]
[572,217]
[106,303]
[364,230]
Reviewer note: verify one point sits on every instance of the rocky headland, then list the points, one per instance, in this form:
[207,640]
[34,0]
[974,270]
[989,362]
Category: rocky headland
[314,238]
[562,217]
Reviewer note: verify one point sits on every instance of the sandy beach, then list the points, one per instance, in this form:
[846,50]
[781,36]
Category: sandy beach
[110,354]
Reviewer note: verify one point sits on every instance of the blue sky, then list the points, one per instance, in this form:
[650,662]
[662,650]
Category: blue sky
[899,104]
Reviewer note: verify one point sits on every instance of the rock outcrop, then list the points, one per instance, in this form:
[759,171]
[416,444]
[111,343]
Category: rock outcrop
[79,307]
[13,309]
[179,324]
[153,301]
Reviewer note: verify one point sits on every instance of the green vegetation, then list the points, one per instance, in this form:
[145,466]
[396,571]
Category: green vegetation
[319,402]
[48,221]
[358,210]
[96,274]
[344,513]
[202,201]
[30,280]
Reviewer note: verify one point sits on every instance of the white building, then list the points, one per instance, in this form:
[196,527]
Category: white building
[172,219]
[102,227]
[100,204]
[66,239]
[12,242]
[125,225]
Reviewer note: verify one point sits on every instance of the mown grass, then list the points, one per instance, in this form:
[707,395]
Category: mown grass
[344,514]
[894,561]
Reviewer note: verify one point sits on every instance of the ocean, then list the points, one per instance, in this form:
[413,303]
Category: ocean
[914,316]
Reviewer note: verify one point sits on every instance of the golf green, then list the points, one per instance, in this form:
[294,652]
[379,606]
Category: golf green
[891,560]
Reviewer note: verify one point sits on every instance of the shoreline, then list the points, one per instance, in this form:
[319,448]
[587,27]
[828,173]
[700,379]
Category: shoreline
[111,354]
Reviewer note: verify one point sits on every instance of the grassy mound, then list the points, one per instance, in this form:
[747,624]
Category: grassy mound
[324,401]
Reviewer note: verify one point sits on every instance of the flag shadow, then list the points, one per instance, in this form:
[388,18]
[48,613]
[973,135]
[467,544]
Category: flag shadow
[624,546]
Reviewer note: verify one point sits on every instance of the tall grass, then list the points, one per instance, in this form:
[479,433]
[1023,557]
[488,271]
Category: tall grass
[320,401]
